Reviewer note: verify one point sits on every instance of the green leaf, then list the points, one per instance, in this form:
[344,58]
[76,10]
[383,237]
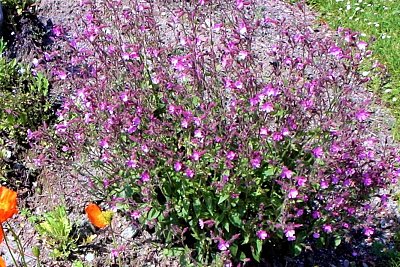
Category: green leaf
[233,248]
[226,226]
[153,214]
[242,256]
[235,220]
[257,250]
[297,249]
[210,204]
[337,241]
[222,198]
[174,251]
[246,238]
[268,172]
[197,207]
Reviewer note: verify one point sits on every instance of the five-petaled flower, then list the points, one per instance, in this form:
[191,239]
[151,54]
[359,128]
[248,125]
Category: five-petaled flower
[97,217]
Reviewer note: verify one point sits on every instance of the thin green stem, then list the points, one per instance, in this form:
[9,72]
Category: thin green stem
[115,244]
[8,246]
[19,245]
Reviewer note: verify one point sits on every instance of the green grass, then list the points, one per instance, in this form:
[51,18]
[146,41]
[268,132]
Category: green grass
[378,22]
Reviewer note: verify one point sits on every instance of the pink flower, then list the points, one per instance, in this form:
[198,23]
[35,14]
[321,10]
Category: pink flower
[243,55]
[277,136]
[286,173]
[261,234]
[324,184]
[58,31]
[269,90]
[145,176]
[104,143]
[301,181]
[255,161]
[242,28]
[317,152]
[131,163]
[267,107]
[293,193]
[135,214]
[201,223]
[368,231]
[362,115]
[223,245]
[198,134]
[327,228]
[316,214]
[336,51]
[367,181]
[177,166]
[196,156]
[239,4]
[231,155]
[290,234]
[189,173]
[263,132]
[124,97]
[362,45]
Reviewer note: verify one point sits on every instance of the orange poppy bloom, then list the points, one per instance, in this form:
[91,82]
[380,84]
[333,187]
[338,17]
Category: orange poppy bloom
[2,262]
[97,217]
[8,203]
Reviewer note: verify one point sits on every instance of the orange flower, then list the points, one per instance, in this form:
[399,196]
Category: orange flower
[2,262]
[97,217]
[1,235]
[8,203]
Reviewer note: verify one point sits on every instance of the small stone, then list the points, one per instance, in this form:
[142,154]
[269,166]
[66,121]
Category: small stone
[128,233]
[346,263]
[364,264]
[89,257]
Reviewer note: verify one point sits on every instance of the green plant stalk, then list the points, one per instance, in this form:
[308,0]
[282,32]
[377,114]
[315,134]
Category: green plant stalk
[19,245]
[8,247]
[115,245]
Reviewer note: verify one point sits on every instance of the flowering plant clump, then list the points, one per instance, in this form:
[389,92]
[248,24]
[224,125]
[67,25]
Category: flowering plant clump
[172,112]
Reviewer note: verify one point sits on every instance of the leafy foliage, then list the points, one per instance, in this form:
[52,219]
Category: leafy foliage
[24,102]
[56,228]
[17,7]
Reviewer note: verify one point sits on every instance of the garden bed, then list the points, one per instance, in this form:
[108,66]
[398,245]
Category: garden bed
[126,242]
